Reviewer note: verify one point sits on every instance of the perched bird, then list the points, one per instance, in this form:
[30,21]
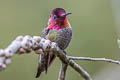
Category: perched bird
[58,30]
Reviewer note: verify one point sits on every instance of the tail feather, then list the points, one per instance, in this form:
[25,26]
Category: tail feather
[47,62]
[38,72]
[41,65]
[44,62]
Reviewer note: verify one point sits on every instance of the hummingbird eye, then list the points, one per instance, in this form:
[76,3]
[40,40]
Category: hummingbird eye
[54,17]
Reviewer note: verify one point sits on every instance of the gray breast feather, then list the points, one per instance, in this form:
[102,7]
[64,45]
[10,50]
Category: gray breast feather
[63,36]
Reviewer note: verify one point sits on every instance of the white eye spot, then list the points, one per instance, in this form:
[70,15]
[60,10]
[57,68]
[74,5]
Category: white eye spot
[54,17]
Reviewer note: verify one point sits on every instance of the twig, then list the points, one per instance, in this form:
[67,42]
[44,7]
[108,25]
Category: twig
[74,65]
[94,59]
[80,70]
[62,72]
[63,69]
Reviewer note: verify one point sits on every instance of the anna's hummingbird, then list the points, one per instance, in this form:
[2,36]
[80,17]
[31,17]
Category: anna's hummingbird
[58,30]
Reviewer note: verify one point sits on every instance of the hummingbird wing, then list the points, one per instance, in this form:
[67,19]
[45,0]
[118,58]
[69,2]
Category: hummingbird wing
[45,60]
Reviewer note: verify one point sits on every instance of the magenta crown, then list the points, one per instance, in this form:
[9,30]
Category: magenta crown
[58,12]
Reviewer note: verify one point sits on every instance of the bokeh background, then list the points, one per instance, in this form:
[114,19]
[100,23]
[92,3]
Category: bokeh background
[95,25]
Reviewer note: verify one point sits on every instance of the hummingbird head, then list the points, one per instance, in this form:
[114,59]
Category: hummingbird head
[58,19]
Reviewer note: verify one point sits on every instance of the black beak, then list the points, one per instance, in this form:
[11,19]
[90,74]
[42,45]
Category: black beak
[66,14]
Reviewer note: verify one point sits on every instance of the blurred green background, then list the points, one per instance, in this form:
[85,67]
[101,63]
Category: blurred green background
[94,34]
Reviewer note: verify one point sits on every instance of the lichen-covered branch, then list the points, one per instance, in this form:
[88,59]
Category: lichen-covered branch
[19,45]
[26,44]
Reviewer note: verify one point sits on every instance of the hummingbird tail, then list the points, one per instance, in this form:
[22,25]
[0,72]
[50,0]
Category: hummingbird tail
[38,72]
[49,59]
[41,65]
[47,62]
[44,62]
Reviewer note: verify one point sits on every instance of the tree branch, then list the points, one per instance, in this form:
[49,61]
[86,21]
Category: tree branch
[61,55]
[63,69]
[62,72]
[27,44]
[94,59]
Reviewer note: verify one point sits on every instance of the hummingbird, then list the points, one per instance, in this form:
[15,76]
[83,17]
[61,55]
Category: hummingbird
[57,30]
